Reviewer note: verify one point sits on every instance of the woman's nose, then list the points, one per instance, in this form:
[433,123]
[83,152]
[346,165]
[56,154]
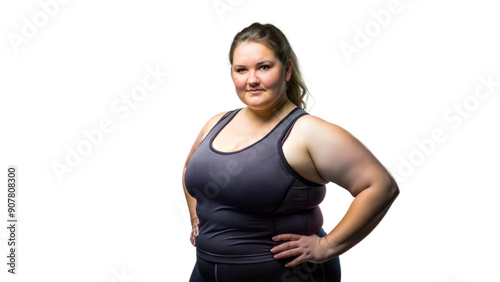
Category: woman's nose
[253,79]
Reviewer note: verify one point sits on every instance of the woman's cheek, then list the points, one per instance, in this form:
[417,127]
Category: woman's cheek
[239,83]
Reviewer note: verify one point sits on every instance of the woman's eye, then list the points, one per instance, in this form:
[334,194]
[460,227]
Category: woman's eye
[239,70]
[264,67]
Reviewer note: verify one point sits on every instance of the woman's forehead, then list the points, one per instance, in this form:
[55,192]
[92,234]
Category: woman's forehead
[252,52]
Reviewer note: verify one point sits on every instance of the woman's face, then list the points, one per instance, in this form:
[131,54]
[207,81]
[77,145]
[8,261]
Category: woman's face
[258,76]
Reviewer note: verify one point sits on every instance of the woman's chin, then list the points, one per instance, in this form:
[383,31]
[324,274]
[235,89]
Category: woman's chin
[257,106]
[256,103]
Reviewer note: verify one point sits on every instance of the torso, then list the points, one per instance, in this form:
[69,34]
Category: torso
[246,191]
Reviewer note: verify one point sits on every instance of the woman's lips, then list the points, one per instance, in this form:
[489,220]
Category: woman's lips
[255,91]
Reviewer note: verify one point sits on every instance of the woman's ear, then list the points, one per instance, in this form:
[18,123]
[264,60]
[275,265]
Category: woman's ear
[288,70]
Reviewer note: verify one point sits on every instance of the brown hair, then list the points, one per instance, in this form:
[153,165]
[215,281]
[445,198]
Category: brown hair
[275,40]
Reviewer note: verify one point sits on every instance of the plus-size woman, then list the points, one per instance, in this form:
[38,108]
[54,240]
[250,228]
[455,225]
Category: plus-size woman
[255,176]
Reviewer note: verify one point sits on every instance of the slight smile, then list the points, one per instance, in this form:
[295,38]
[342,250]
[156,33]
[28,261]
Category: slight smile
[255,91]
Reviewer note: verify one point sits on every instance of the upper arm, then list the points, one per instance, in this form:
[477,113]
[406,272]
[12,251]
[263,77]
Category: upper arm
[341,158]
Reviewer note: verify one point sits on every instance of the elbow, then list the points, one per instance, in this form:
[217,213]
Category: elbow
[392,189]
[387,189]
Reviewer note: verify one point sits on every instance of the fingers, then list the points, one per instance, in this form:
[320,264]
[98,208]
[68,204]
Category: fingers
[292,243]
[286,253]
[287,237]
[196,229]
[290,249]
[303,248]
[195,232]
[284,247]
[295,262]
[192,239]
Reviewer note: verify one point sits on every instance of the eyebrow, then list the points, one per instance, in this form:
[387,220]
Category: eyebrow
[259,63]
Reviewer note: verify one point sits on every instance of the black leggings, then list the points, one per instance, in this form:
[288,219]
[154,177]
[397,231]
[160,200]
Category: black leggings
[272,271]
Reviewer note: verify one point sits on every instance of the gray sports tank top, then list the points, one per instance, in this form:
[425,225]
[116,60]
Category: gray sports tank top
[246,197]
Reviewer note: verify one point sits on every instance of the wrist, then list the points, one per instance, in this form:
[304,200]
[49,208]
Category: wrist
[194,220]
[329,246]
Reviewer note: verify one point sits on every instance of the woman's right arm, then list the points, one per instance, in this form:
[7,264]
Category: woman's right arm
[191,202]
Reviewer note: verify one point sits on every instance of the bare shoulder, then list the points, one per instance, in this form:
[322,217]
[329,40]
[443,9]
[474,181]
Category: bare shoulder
[209,125]
[324,138]
[203,133]
[313,127]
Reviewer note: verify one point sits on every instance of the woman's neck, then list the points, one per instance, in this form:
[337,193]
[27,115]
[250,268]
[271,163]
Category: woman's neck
[277,111]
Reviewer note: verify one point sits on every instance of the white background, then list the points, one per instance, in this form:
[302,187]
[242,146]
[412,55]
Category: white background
[120,214]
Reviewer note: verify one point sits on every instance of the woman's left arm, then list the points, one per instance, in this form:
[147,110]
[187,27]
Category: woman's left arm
[340,158]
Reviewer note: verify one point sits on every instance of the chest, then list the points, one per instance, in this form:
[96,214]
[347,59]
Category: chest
[254,179]
[239,134]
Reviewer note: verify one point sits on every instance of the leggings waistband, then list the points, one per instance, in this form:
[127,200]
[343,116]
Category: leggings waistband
[273,271]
